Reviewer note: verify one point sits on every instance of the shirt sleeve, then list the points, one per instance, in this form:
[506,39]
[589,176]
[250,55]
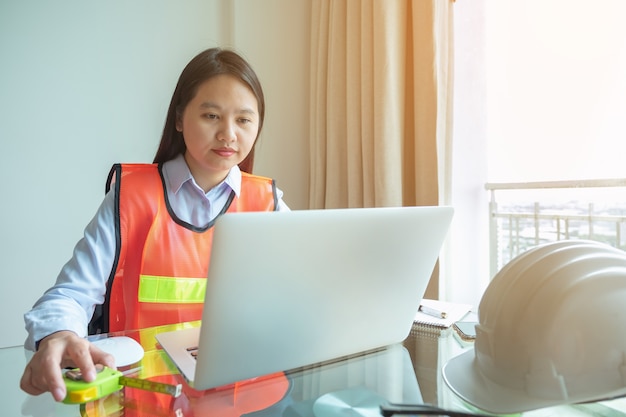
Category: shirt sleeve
[80,285]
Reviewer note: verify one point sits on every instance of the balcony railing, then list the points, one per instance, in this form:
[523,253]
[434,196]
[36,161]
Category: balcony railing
[523,215]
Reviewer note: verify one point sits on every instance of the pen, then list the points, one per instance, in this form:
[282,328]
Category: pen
[431,311]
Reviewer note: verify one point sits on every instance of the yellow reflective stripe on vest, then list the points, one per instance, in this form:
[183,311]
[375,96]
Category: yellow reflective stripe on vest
[156,289]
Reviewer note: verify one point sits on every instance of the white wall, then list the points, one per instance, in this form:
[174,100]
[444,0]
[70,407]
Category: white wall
[468,259]
[278,47]
[87,84]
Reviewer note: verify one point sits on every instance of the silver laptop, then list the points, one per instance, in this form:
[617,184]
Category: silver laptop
[290,289]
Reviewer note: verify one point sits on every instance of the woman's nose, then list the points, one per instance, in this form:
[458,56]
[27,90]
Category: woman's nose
[227,131]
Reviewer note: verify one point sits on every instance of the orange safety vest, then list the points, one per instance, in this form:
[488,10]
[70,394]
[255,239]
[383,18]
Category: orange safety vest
[161,262]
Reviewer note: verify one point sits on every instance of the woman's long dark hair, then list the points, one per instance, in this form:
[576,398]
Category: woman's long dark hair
[207,64]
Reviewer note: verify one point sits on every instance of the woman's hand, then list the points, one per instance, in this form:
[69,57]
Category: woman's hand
[57,351]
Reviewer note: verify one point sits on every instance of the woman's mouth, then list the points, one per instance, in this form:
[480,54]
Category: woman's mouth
[224,152]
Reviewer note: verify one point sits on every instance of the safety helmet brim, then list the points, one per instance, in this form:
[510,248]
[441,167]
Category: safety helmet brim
[464,378]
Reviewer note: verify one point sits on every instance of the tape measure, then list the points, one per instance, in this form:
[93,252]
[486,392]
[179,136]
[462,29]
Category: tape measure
[107,382]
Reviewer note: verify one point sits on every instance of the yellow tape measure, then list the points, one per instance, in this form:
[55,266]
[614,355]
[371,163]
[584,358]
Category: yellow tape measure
[107,382]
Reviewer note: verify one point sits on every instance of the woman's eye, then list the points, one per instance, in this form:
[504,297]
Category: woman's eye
[211,116]
[245,121]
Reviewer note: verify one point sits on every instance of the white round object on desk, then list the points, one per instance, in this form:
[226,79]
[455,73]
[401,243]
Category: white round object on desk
[124,349]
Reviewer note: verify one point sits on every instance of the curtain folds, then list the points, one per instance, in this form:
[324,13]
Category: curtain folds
[381,100]
[380,92]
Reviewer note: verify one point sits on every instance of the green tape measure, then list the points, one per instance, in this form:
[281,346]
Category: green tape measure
[107,382]
[78,391]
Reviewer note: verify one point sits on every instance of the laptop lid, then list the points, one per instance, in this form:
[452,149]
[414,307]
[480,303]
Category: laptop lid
[289,289]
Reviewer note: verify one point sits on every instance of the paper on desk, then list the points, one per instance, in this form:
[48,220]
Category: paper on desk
[454,312]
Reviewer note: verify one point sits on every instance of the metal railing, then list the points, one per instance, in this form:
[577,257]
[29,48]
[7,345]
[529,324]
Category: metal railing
[524,215]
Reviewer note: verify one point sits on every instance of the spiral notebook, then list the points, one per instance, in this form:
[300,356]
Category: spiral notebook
[440,313]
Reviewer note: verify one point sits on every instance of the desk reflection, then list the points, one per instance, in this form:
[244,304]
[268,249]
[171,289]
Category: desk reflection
[359,382]
[406,373]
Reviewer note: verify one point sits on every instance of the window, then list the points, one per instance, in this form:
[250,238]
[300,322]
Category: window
[539,96]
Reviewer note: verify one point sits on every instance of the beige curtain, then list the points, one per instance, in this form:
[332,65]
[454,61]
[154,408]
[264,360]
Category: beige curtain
[380,103]
[380,100]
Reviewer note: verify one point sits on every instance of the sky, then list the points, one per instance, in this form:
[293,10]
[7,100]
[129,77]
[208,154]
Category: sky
[556,89]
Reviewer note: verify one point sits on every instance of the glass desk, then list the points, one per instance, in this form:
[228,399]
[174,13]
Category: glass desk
[405,373]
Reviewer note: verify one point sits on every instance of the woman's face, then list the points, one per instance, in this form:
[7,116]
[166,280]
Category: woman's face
[219,126]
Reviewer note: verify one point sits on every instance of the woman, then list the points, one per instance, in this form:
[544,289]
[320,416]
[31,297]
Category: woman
[154,227]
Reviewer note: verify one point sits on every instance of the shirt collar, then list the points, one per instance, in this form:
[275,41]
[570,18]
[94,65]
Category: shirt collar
[178,174]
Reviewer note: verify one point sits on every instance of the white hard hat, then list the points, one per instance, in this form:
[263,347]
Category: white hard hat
[551,330]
